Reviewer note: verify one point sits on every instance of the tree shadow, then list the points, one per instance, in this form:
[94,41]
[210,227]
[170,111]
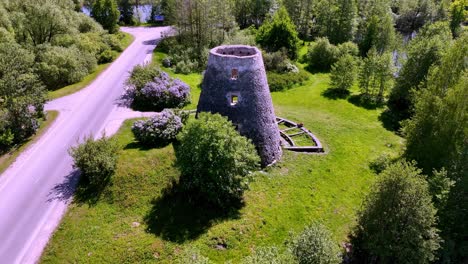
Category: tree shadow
[178,216]
[364,101]
[64,191]
[144,147]
[90,194]
[390,121]
[335,93]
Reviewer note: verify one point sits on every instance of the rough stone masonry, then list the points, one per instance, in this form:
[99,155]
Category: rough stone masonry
[235,85]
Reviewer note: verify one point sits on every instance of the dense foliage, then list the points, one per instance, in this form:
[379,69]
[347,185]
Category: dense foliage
[343,73]
[215,160]
[314,245]
[424,51]
[284,81]
[279,33]
[322,55]
[106,13]
[152,89]
[397,223]
[160,129]
[21,95]
[376,75]
[96,159]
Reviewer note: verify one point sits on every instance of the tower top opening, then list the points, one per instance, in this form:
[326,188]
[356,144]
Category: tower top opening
[235,51]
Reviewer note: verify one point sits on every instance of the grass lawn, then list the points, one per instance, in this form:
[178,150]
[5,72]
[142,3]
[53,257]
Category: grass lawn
[73,88]
[137,221]
[7,159]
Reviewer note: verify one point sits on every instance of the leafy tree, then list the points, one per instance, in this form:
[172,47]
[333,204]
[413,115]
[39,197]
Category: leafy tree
[251,12]
[40,22]
[278,33]
[214,159]
[424,51]
[107,14]
[322,55]
[440,121]
[301,13]
[21,94]
[436,135]
[336,20]
[397,223]
[59,66]
[458,14]
[96,159]
[315,246]
[343,73]
[414,14]
[375,27]
[376,75]
[126,12]
[201,25]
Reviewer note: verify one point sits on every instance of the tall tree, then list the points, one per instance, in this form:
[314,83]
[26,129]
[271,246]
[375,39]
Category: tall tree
[458,15]
[301,13]
[397,223]
[375,27]
[376,75]
[278,33]
[106,13]
[411,15]
[424,51]
[126,11]
[251,12]
[21,94]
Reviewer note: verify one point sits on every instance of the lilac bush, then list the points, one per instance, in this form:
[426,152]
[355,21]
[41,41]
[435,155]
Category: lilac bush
[160,129]
[161,92]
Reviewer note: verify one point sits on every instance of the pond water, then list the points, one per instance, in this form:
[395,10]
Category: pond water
[142,12]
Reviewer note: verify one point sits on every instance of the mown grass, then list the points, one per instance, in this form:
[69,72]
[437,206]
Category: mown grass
[73,88]
[299,190]
[7,159]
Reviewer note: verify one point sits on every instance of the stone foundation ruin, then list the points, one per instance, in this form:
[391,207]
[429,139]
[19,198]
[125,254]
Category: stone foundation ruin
[235,85]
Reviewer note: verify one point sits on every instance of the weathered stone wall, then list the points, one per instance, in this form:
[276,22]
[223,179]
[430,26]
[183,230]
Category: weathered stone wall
[235,85]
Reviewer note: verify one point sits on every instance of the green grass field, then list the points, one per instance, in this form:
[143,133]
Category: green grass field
[73,88]
[7,159]
[137,221]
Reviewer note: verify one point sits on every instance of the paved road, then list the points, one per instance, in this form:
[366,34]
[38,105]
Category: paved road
[35,190]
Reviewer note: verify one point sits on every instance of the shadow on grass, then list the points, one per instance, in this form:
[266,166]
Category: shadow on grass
[144,147]
[390,121]
[334,93]
[177,217]
[365,102]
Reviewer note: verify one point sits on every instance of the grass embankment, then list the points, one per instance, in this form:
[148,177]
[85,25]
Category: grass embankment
[136,221]
[73,88]
[7,159]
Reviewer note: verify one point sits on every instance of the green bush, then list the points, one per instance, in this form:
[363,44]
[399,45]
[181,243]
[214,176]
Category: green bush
[96,159]
[283,81]
[215,160]
[343,73]
[280,32]
[278,62]
[269,255]
[60,66]
[397,223]
[315,246]
[107,56]
[322,54]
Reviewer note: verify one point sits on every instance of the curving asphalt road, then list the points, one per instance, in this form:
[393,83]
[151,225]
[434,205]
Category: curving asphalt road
[35,190]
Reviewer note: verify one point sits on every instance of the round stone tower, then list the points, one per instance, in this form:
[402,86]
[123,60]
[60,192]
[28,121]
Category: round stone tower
[235,85]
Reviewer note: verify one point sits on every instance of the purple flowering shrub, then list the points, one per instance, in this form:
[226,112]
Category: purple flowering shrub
[160,129]
[154,90]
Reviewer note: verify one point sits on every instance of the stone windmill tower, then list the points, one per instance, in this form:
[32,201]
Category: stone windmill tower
[235,85]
